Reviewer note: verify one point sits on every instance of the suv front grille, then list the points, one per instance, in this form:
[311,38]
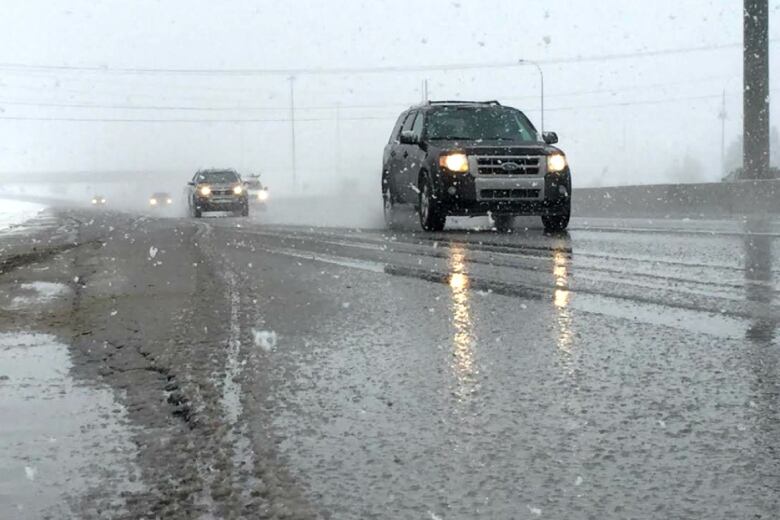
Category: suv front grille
[508,165]
[509,194]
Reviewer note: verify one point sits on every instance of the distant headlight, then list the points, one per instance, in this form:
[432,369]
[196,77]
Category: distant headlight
[205,191]
[102,201]
[153,202]
[262,195]
[556,163]
[94,201]
[455,162]
[169,201]
[238,190]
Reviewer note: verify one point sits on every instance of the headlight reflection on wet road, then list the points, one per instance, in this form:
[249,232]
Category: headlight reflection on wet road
[561,300]
[463,340]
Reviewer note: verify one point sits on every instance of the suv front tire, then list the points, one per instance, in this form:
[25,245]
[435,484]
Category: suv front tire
[557,223]
[432,218]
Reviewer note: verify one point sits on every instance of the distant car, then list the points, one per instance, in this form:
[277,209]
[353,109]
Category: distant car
[98,200]
[257,193]
[217,190]
[160,199]
[466,158]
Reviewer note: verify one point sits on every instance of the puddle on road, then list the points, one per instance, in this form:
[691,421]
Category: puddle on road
[65,448]
[36,293]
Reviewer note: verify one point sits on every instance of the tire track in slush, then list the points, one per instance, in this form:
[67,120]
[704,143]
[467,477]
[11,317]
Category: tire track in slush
[243,456]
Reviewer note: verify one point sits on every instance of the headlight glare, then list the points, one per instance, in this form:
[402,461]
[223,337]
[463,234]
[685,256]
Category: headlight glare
[153,202]
[238,190]
[455,162]
[205,191]
[262,195]
[556,163]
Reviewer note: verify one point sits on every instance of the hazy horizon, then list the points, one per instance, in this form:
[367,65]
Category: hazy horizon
[621,121]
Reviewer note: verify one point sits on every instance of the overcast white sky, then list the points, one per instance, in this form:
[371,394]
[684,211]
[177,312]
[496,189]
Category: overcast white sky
[621,121]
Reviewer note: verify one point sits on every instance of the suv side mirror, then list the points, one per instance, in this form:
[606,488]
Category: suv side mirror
[550,137]
[191,183]
[409,137]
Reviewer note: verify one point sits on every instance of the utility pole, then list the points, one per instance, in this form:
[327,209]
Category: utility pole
[425,91]
[722,116]
[292,130]
[541,83]
[756,89]
[338,139]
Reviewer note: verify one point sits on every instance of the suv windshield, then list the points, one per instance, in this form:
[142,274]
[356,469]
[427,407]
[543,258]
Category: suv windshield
[218,177]
[476,123]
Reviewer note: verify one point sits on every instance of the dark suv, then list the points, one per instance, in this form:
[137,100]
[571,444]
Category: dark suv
[217,190]
[465,158]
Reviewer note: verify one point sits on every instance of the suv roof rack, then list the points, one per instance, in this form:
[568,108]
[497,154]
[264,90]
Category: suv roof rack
[453,102]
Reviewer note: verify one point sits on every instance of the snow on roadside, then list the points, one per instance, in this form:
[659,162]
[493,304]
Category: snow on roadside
[63,440]
[15,212]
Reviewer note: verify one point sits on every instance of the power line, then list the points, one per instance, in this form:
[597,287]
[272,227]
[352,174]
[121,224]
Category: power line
[355,118]
[125,106]
[199,121]
[122,106]
[360,70]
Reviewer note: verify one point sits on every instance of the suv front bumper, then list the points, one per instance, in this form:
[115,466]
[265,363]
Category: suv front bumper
[466,194]
[221,204]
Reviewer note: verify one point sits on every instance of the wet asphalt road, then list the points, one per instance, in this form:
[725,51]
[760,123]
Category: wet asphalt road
[626,369]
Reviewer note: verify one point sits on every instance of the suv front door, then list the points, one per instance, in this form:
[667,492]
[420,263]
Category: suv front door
[413,157]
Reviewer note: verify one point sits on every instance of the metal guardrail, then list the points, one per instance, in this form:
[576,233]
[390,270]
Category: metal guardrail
[709,200]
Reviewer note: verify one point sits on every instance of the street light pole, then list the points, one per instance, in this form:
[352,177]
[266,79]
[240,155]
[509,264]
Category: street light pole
[722,115]
[541,81]
[292,130]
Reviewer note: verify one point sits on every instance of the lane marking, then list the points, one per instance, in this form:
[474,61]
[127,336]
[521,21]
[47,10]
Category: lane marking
[593,273]
[364,265]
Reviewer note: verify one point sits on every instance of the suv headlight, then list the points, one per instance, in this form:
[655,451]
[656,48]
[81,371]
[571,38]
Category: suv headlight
[455,162]
[238,190]
[556,163]
[205,191]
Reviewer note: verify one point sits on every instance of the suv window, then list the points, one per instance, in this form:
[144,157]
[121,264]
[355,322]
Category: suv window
[417,127]
[217,177]
[478,123]
[409,122]
[397,128]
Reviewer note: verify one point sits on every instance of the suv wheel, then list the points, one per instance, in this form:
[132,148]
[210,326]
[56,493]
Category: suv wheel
[555,222]
[504,223]
[196,212]
[388,207]
[431,216]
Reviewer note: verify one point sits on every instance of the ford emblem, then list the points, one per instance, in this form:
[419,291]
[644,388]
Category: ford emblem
[511,167]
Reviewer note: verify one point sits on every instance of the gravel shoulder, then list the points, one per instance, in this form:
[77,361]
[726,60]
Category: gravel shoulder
[148,314]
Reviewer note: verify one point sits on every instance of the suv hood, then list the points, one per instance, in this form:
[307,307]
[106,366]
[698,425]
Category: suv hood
[472,148]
